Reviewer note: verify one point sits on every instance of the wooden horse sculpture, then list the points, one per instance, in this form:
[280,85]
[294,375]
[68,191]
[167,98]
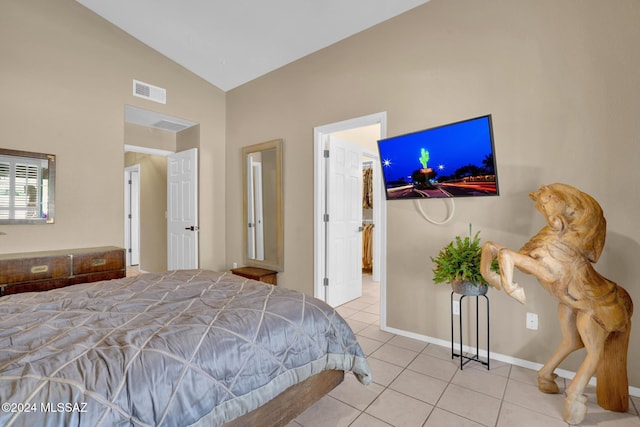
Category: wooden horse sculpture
[594,312]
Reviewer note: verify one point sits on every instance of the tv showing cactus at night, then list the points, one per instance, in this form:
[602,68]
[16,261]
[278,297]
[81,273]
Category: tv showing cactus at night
[453,160]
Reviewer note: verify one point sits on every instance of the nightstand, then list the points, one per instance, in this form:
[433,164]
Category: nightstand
[255,273]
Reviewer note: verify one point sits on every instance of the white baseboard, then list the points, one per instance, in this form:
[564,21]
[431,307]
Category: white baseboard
[633,391]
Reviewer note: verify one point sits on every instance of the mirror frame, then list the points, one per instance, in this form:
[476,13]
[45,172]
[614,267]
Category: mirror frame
[51,159]
[278,265]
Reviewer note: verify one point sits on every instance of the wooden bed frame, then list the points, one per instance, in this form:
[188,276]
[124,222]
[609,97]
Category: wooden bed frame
[290,403]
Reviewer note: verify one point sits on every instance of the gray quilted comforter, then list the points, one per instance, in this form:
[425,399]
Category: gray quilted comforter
[174,349]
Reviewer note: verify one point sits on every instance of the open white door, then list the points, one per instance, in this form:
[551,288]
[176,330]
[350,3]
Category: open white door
[132,214]
[250,220]
[258,211]
[182,210]
[344,222]
[254,220]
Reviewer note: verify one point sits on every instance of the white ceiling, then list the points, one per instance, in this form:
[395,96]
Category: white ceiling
[231,42]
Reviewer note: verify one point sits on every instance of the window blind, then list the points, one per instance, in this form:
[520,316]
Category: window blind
[21,188]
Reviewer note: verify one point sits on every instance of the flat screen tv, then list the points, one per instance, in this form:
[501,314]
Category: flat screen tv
[453,160]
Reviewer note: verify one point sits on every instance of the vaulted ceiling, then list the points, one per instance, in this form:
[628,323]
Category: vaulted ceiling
[231,42]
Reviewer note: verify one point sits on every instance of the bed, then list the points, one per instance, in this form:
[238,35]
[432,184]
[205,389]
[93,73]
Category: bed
[183,348]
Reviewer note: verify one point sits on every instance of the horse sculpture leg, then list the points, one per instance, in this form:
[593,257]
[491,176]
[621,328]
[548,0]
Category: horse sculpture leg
[506,260]
[571,342]
[489,253]
[593,336]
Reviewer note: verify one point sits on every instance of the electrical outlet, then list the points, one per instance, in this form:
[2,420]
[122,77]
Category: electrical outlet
[532,321]
[235,265]
[455,308]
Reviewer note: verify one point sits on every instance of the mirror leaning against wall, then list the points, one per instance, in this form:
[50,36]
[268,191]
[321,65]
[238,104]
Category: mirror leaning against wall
[263,233]
[27,187]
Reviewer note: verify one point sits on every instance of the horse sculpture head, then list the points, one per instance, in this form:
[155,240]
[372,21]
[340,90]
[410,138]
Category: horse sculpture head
[574,216]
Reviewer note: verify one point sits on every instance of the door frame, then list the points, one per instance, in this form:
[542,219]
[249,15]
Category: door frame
[320,133]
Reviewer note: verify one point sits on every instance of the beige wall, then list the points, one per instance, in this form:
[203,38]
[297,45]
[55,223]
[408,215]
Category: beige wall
[188,138]
[65,79]
[149,137]
[561,81]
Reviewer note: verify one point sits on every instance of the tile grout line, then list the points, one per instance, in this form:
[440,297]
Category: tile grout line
[504,393]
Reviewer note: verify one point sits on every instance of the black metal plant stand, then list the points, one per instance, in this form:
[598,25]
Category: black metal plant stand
[466,359]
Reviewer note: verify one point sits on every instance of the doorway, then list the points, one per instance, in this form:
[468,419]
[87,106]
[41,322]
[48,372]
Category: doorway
[150,140]
[145,224]
[322,257]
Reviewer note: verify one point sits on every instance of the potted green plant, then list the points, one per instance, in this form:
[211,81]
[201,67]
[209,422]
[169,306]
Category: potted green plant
[458,263]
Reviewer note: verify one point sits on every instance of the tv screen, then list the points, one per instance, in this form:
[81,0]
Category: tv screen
[453,160]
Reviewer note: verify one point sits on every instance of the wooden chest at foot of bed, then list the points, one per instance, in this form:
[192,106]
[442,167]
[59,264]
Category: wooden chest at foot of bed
[41,271]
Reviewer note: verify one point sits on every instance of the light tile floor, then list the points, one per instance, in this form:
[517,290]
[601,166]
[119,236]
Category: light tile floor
[418,384]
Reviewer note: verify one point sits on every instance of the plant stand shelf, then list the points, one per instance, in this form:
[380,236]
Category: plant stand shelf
[466,359]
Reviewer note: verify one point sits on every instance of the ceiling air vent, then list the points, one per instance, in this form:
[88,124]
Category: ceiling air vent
[168,125]
[150,92]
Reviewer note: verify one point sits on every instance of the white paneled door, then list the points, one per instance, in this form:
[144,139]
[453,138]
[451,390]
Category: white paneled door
[344,222]
[132,214]
[182,210]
